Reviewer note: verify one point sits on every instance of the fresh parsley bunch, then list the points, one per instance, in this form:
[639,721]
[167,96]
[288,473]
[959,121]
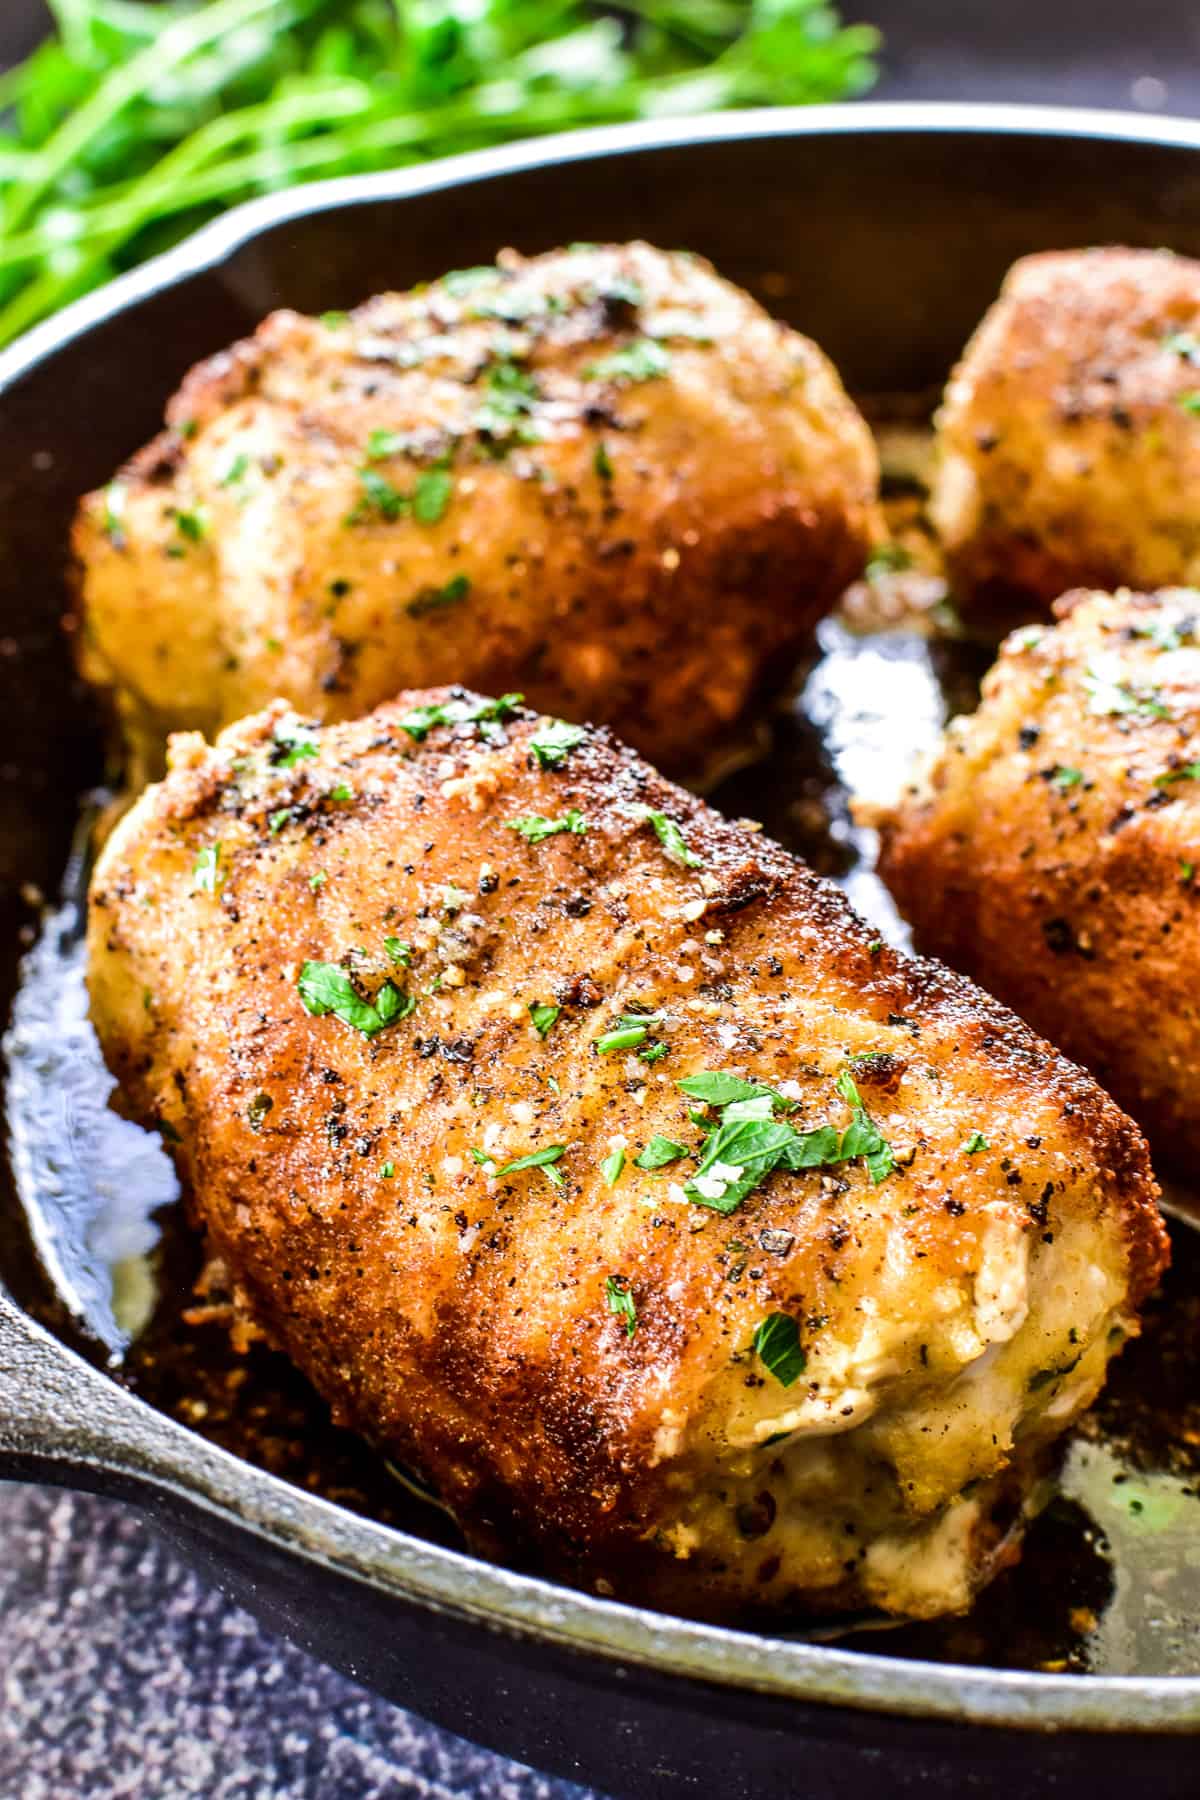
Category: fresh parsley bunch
[135,122]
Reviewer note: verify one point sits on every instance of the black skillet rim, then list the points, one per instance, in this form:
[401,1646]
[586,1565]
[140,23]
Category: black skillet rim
[449,1581]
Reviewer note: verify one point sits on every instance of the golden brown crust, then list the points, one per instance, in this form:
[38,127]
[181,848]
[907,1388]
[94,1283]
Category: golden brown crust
[1069,442]
[645,541]
[1051,849]
[954,1317]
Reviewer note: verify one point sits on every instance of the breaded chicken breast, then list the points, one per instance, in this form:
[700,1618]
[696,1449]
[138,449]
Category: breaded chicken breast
[1069,439]
[1051,848]
[594,1160]
[604,475]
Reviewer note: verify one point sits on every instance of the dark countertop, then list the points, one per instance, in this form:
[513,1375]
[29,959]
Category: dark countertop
[122,1674]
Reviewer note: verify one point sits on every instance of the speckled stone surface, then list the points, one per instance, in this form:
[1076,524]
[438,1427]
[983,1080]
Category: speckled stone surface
[122,1674]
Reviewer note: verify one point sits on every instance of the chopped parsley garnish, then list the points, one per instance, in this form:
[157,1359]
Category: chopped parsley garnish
[380,496]
[1187,872]
[236,471]
[749,1142]
[317,881]
[207,873]
[1108,693]
[551,744]
[342,792]
[621,1302]
[718,1089]
[602,461]
[975,1143]
[431,495]
[611,1167]
[659,1152]
[190,525]
[398,951]
[1190,402]
[537,1159]
[382,444]
[421,720]
[643,360]
[743,1150]
[778,1348]
[1184,344]
[293,742]
[632,1029]
[653,1053]
[326,988]
[535,827]
[333,320]
[387,1170]
[435,599]
[862,1136]
[1189,772]
[544,1016]
[510,397]
[1064,778]
[670,837]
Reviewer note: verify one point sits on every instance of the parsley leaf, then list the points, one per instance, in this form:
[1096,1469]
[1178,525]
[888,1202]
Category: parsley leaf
[719,1089]
[435,599]
[398,951]
[293,742]
[602,461]
[535,827]
[380,496]
[431,496]
[537,1159]
[1189,772]
[642,360]
[632,1029]
[611,1167]
[1064,778]
[236,471]
[552,743]
[659,1152]
[777,1346]
[207,873]
[327,988]
[421,720]
[975,1143]
[621,1302]
[862,1137]
[670,837]
[544,1016]
[510,398]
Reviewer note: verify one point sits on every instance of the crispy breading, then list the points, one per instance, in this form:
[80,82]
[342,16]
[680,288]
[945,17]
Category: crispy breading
[1051,849]
[1069,440]
[603,476]
[568,1351]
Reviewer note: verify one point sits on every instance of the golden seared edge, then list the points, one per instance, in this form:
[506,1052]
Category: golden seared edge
[1069,438]
[603,475]
[570,1356]
[1052,847]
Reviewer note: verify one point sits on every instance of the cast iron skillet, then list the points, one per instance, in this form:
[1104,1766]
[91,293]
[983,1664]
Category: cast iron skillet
[884,232]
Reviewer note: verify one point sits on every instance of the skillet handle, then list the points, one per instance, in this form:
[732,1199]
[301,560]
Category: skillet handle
[60,1419]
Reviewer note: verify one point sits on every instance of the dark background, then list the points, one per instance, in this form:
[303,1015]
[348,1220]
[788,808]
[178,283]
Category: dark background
[121,1674]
